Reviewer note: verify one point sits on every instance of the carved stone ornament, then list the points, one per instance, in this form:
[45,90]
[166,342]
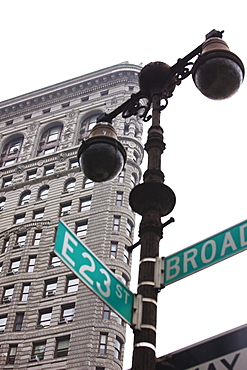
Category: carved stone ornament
[20,169]
[40,163]
[62,157]
[27,145]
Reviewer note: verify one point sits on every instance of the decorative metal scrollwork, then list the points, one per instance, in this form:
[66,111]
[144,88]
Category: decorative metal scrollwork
[140,104]
[184,71]
[137,105]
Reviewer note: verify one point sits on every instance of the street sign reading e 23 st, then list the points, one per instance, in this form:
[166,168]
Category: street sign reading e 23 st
[206,253]
[93,272]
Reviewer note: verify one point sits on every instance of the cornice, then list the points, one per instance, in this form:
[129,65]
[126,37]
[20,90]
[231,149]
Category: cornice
[64,91]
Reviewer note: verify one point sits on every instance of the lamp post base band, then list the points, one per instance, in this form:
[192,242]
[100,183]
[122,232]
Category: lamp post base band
[147,260]
[147,326]
[149,300]
[145,344]
[146,283]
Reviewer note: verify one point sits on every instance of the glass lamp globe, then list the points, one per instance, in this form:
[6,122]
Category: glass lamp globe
[101,156]
[217,73]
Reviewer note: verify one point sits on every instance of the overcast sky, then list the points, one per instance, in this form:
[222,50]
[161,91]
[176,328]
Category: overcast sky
[46,42]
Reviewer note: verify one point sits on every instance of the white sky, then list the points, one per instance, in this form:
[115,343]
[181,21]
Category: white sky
[46,42]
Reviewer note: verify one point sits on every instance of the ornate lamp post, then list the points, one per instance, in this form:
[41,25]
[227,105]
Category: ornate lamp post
[217,73]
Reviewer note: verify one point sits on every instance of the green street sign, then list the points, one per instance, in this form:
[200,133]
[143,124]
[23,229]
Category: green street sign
[91,271]
[205,253]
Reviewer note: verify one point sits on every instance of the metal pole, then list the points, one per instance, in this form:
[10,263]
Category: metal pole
[144,357]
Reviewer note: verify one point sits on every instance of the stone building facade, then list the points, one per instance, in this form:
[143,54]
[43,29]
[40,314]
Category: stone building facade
[48,318]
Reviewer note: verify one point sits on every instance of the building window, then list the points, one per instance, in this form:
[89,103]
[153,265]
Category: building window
[85,98]
[126,129]
[47,110]
[116,223]
[87,125]
[39,349]
[50,287]
[67,312]
[38,213]
[133,180]
[27,116]
[19,218]
[11,354]
[49,170]
[135,156]
[1,266]
[121,176]
[5,245]
[126,257]
[18,321]
[62,346]
[20,241]
[25,291]
[44,318]
[118,348]
[72,284]
[11,151]
[31,175]
[103,343]
[31,263]
[65,105]
[14,266]
[54,261]
[100,368]
[73,163]
[119,198]
[3,321]
[87,183]
[8,294]
[106,312]
[81,228]
[43,192]
[37,237]
[105,92]
[24,198]
[125,279]
[113,251]
[2,203]
[7,181]
[69,186]
[50,140]
[65,209]
[129,228]
[85,204]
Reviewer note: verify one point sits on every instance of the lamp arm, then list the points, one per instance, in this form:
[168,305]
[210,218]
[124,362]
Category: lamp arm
[178,72]
[180,69]
[128,108]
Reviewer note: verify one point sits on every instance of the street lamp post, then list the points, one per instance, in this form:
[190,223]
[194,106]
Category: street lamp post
[217,73]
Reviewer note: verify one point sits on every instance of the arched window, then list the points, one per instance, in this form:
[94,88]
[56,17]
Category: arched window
[11,151]
[69,185]
[43,192]
[87,125]
[50,140]
[24,198]
[2,202]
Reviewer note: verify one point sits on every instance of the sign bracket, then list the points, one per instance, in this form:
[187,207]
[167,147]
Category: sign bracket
[159,272]
[137,312]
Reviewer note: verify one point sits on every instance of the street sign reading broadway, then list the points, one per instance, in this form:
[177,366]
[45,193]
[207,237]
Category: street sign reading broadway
[206,253]
[225,351]
[93,272]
